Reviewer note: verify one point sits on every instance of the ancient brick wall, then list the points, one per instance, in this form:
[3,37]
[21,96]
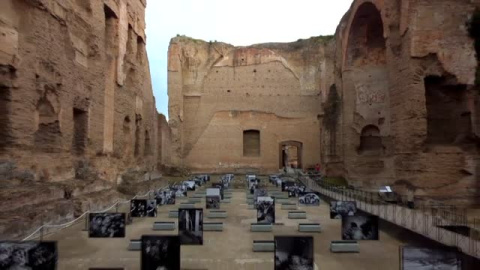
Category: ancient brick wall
[76,105]
[217,92]
[406,73]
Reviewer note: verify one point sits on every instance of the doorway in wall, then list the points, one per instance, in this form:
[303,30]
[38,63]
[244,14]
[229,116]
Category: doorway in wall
[290,155]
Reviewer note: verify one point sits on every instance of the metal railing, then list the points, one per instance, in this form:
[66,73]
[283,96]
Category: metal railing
[426,220]
[47,229]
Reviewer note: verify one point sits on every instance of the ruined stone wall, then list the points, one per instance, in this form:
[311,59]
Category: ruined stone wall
[217,91]
[77,113]
[405,71]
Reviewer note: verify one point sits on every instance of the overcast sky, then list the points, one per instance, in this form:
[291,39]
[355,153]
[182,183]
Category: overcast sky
[238,22]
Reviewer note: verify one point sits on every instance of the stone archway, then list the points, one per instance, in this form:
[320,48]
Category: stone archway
[290,153]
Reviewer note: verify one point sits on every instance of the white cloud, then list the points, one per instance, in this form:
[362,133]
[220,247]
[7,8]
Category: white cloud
[240,23]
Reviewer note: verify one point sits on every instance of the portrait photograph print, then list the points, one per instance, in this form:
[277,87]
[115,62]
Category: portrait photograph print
[138,208]
[31,255]
[151,208]
[339,209]
[160,252]
[361,227]
[417,258]
[106,225]
[190,226]
[265,210]
[309,198]
[294,252]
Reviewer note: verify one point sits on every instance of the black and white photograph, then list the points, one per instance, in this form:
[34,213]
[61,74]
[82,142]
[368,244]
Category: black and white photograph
[151,208]
[294,252]
[309,198]
[265,210]
[165,196]
[361,227]
[417,258]
[160,252]
[28,255]
[106,225]
[286,184]
[190,226]
[295,190]
[340,209]
[213,202]
[219,186]
[138,208]
[180,190]
[260,192]
[190,185]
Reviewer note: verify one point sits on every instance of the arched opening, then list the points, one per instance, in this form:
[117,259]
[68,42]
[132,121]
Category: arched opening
[366,44]
[290,155]
[138,128]
[127,136]
[148,147]
[370,140]
[47,136]
[80,128]
[448,115]
[5,97]
[251,143]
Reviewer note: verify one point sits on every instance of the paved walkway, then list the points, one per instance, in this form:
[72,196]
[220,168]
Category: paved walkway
[230,249]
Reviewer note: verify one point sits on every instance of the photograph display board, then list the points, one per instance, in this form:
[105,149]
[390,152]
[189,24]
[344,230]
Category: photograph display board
[219,186]
[212,202]
[286,184]
[138,208]
[190,226]
[416,258]
[361,227]
[295,190]
[265,210]
[166,196]
[30,255]
[151,208]
[160,252]
[294,252]
[309,198]
[106,225]
[340,209]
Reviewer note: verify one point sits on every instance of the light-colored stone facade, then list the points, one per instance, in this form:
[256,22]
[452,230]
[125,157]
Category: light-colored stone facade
[217,92]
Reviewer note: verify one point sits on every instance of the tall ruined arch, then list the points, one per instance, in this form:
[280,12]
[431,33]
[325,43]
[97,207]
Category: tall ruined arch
[366,101]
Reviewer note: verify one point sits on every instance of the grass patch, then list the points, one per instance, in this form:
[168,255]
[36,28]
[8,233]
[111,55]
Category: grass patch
[338,181]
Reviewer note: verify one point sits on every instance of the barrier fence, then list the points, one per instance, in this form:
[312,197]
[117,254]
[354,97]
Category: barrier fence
[47,229]
[427,220]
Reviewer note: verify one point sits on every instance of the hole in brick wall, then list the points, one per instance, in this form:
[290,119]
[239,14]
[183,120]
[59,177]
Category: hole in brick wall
[126,128]
[111,22]
[370,140]
[140,49]
[448,115]
[48,134]
[138,127]
[228,91]
[148,146]
[4,119]
[251,143]
[80,135]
